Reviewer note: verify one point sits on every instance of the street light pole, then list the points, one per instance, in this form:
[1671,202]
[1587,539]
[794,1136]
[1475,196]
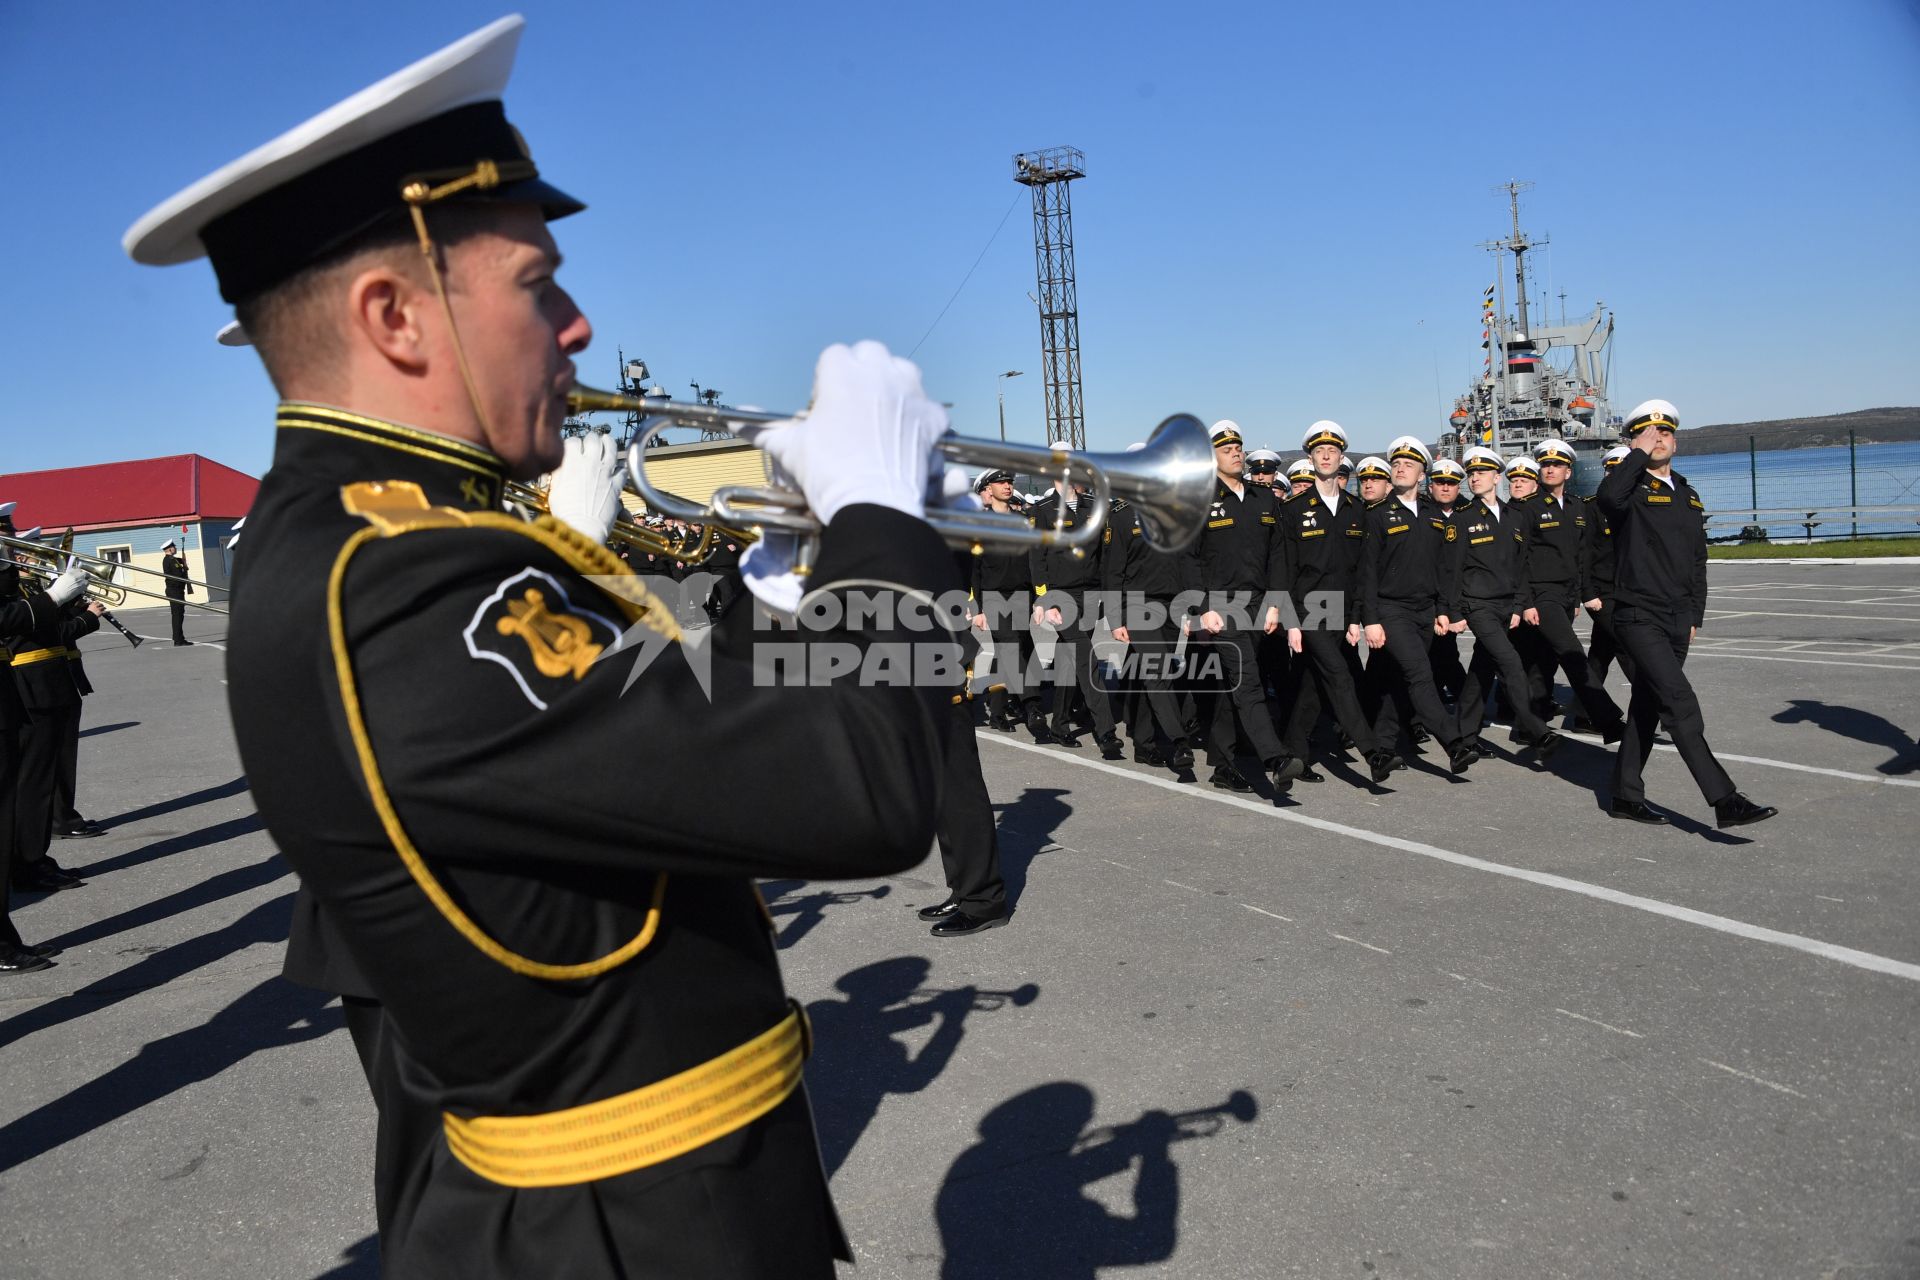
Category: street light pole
[1000,393]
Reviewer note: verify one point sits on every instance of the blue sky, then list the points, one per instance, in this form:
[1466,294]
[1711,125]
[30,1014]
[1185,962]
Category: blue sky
[1279,221]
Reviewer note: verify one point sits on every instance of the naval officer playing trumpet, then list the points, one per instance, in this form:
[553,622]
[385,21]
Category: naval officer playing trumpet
[586,1042]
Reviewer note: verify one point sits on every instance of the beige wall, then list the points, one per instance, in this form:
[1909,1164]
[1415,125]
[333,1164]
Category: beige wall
[695,471]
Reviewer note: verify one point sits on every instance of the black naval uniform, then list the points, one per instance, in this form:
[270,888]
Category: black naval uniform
[1491,589]
[66,816]
[1449,673]
[1660,596]
[539,876]
[1146,581]
[22,612]
[1554,555]
[1603,648]
[175,567]
[1321,551]
[1057,572]
[1235,562]
[964,831]
[1400,591]
[998,585]
[52,702]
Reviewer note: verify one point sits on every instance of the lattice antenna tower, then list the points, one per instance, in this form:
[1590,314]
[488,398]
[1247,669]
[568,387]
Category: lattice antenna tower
[1048,174]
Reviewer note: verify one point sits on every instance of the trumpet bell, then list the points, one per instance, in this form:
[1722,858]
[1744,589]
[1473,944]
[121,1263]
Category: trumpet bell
[1169,483]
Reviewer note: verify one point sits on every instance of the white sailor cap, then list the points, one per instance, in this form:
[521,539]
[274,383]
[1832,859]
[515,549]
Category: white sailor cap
[1410,448]
[1521,465]
[6,510]
[1374,467]
[1553,449]
[1651,413]
[1612,456]
[1300,469]
[1064,446]
[993,475]
[1226,431]
[1263,460]
[169,543]
[1447,469]
[233,334]
[1481,458]
[1325,431]
[433,131]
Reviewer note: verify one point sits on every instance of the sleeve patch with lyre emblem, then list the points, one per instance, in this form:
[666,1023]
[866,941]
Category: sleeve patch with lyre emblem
[530,626]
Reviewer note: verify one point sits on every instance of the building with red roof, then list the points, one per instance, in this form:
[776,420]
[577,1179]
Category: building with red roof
[127,511]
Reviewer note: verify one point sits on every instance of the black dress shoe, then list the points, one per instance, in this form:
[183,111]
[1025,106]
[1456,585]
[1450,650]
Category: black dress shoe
[1544,747]
[1613,733]
[1460,756]
[960,924]
[1311,774]
[1037,724]
[1482,750]
[1637,811]
[1382,764]
[1286,769]
[939,910]
[1180,756]
[1066,739]
[181,644]
[45,950]
[1737,811]
[1148,756]
[81,830]
[44,877]
[1111,747]
[1419,735]
[21,960]
[1228,778]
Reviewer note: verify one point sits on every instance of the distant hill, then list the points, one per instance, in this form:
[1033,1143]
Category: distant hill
[1870,426]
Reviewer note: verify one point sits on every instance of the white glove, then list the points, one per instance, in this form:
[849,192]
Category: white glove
[68,585]
[586,488]
[868,438]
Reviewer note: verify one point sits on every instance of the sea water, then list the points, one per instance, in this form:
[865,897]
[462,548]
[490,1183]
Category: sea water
[1804,480]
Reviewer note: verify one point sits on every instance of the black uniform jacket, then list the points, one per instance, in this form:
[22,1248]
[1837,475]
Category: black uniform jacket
[1555,547]
[1131,562]
[544,875]
[1321,549]
[1239,550]
[1402,559]
[1057,568]
[22,611]
[175,567]
[1660,539]
[1597,551]
[1002,572]
[40,665]
[1487,559]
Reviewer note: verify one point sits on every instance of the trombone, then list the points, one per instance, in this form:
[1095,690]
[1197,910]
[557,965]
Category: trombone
[101,582]
[1169,483]
[632,534]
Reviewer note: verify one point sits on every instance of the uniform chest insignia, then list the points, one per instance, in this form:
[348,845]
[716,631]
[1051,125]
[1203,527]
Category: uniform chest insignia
[476,491]
[1549,524]
[1267,518]
[1397,528]
[1693,500]
[1355,531]
[1452,533]
[530,626]
[393,505]
[1658,497]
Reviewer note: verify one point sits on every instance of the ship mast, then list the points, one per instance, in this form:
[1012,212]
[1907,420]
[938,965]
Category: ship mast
[1517,245]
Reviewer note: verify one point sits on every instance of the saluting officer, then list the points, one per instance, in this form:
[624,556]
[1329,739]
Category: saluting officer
[1659,529]
[1321,537]
[1555,554]
[1490,594]
[1065,584]
[1400,593]
[557,951]
[1597,555]
[1233,563]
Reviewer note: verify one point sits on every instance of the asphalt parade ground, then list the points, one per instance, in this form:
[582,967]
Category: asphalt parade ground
[1442,1027]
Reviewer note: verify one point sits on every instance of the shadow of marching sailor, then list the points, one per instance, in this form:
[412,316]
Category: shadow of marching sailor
[1015,1205]
[1862,726]
[857,1061]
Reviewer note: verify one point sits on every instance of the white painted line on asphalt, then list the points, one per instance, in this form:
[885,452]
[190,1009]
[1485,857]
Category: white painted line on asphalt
[1824,898]
[1461,977]
[1653,906]
[1768,762]
[1832,617]
[1176,884]
[1123,866]
[167,642]
[1735,1071]
[1638,858]
[1263,911]
[1809,662]
[1605,1025]
[1356,942]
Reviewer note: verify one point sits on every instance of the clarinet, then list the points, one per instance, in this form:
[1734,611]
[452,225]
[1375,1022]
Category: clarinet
[106,616]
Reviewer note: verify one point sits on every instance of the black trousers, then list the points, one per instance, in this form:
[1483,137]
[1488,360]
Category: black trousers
[1657,643]
[67,769]
[1074,644]
[9,841]
[1494,654]
[1402,674]
[1449,673]
[1012,650]
[1603,650]
[969,847]
[34,793]
[1558,646]
[1243,695]
[1326,679]
[406,1126]
[1150,700]
[178,608]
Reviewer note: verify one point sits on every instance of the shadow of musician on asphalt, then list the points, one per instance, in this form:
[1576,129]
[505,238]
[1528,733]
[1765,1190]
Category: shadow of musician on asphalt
[1025,827]
[803,913]
[173,803]
[358,1261]
[857,1061]
[1862,726]
[1015,1206]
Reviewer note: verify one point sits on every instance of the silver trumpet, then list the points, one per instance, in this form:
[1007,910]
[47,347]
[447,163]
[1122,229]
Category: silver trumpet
[1169,483]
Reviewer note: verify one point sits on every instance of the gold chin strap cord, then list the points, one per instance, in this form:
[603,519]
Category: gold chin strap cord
[419,192]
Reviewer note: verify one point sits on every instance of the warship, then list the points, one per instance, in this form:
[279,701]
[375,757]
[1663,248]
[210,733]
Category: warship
[1537,380]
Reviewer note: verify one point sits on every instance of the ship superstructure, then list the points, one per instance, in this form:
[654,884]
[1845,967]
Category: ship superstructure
[1537,380]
